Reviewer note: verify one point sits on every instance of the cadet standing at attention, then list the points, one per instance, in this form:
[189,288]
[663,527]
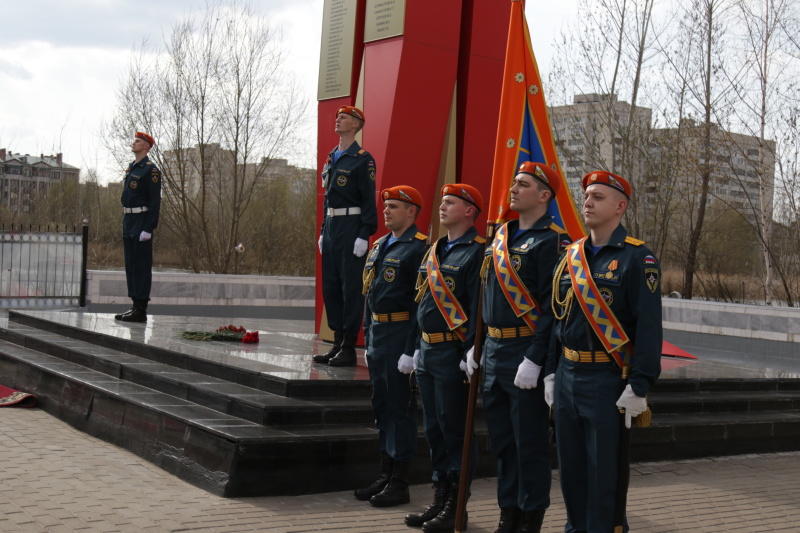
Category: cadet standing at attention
[350,218]
[446,318]
[141,204]
[516,309]
[607,302]
[388,281]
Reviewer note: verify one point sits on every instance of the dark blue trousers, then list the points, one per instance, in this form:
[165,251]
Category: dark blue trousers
[341,275]
[518,422]
[587,435]
[444,408]
[395,413]
[138,267]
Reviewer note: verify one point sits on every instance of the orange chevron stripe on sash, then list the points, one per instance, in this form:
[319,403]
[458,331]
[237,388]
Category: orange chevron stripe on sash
[448,305]
[519,298]
[594,307]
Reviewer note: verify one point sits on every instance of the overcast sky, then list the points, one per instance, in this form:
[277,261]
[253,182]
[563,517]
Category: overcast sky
[62,62]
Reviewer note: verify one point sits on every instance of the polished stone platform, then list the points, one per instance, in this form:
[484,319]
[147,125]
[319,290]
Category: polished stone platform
[263,419]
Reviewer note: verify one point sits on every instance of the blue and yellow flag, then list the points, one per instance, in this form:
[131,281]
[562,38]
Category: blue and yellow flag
[524,132]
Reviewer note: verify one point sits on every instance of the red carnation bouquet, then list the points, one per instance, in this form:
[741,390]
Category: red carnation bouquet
[224,333]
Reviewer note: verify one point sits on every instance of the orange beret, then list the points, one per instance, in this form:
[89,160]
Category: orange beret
[465,192]
[607,178]
[145,137]
[352,111]
[404,193]
[543,173]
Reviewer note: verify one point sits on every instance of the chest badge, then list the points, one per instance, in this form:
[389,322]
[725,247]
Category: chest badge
[450,282]
[608,296]
[516,262]
[133,184]
[341,180]
[389,274]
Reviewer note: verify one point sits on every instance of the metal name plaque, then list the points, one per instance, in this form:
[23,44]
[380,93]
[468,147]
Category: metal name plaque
[336,51]
[384,19]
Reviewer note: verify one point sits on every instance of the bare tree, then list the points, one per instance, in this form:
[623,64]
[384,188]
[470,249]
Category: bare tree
[604,58]
[222,108]
[761,92]
[706,96]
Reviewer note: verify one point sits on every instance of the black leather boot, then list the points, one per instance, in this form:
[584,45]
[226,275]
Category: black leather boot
[387,464]
[396,492]
[445,521]
[129,311]
[137,314]
[441,489]
[337,345]
[532,521]
[510,519]
[347,355]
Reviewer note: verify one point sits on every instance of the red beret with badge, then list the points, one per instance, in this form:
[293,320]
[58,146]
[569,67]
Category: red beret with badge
[352,111]
[146,138]
[465,192]
[543,173]
[404,193]
[607,178]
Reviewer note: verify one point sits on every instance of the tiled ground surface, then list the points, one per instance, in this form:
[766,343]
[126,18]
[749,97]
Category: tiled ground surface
[54,478]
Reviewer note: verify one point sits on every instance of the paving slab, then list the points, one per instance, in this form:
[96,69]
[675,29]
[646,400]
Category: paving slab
[55,478]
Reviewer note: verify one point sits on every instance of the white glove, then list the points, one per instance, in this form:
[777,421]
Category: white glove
[360,247]
[319,244]
[549,389]
[527,374]
[632,404]
[416,359]
[366,364]
[463,366]
[405,364]
[144,236]
[471,364]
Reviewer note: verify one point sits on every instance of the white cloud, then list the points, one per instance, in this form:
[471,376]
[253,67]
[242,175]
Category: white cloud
[62,62]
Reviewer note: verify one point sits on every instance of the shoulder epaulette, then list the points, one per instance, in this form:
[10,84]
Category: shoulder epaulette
[635,242]
[149,162]
[479,239]
[558,229]
[362,152]
[421,236]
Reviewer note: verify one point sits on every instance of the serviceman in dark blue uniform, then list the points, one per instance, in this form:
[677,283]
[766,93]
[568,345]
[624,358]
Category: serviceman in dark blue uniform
[350,218]
[141,203]
[389,278]
[448,291]
[516,310]
[608,275]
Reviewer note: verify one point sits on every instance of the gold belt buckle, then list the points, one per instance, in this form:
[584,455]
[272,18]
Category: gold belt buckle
[573,355]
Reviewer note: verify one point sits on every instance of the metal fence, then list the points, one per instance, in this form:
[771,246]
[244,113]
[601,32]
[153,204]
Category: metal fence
[43,268]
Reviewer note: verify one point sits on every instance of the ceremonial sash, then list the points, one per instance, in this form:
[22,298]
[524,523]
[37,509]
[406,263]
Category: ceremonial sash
[519,298]
[454,315]
[595,308]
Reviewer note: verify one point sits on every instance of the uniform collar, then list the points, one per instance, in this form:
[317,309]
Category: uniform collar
[353,149]
[144,161]
[543,223]
[407,236]
[468,237]
[617,239]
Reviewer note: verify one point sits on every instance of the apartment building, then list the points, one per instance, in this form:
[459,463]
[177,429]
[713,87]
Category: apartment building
[24,177]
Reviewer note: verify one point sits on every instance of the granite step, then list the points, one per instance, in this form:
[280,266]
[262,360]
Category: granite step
[228,397]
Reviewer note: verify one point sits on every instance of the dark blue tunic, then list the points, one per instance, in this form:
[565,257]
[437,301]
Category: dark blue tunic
[141,188]
[441,382]
[392,291]
[588,422]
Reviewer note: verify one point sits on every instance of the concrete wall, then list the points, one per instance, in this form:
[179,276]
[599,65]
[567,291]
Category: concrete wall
[109,287]
[734,320]
[180,289]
